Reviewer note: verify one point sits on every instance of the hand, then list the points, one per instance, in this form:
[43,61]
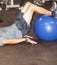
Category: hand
[31,41]
[26,36]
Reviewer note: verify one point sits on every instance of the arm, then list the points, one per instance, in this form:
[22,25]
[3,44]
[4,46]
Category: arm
[13,41]
[18,40]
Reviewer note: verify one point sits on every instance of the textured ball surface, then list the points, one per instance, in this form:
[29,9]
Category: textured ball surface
[45,28]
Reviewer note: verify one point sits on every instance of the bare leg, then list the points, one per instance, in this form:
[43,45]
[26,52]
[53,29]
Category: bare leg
[28,15]
[26,6]
[41,10]
[31,9]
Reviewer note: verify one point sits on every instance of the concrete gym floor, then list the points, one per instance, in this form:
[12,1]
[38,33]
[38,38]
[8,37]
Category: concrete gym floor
[44,53]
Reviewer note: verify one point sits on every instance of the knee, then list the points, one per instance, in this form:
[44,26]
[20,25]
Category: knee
[28,3]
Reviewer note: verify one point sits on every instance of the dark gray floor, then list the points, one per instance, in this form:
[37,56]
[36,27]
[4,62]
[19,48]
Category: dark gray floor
[26,54]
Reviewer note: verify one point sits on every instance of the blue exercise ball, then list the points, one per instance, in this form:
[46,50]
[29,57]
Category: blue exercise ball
[45,28]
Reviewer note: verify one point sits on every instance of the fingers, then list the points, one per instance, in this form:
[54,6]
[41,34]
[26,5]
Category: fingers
[34,43]
[28,36]
[31,41]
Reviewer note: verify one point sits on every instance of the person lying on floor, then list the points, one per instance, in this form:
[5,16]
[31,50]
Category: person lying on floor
[17,32]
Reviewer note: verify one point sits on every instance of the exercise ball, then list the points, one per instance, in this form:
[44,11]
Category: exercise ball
[45,28]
